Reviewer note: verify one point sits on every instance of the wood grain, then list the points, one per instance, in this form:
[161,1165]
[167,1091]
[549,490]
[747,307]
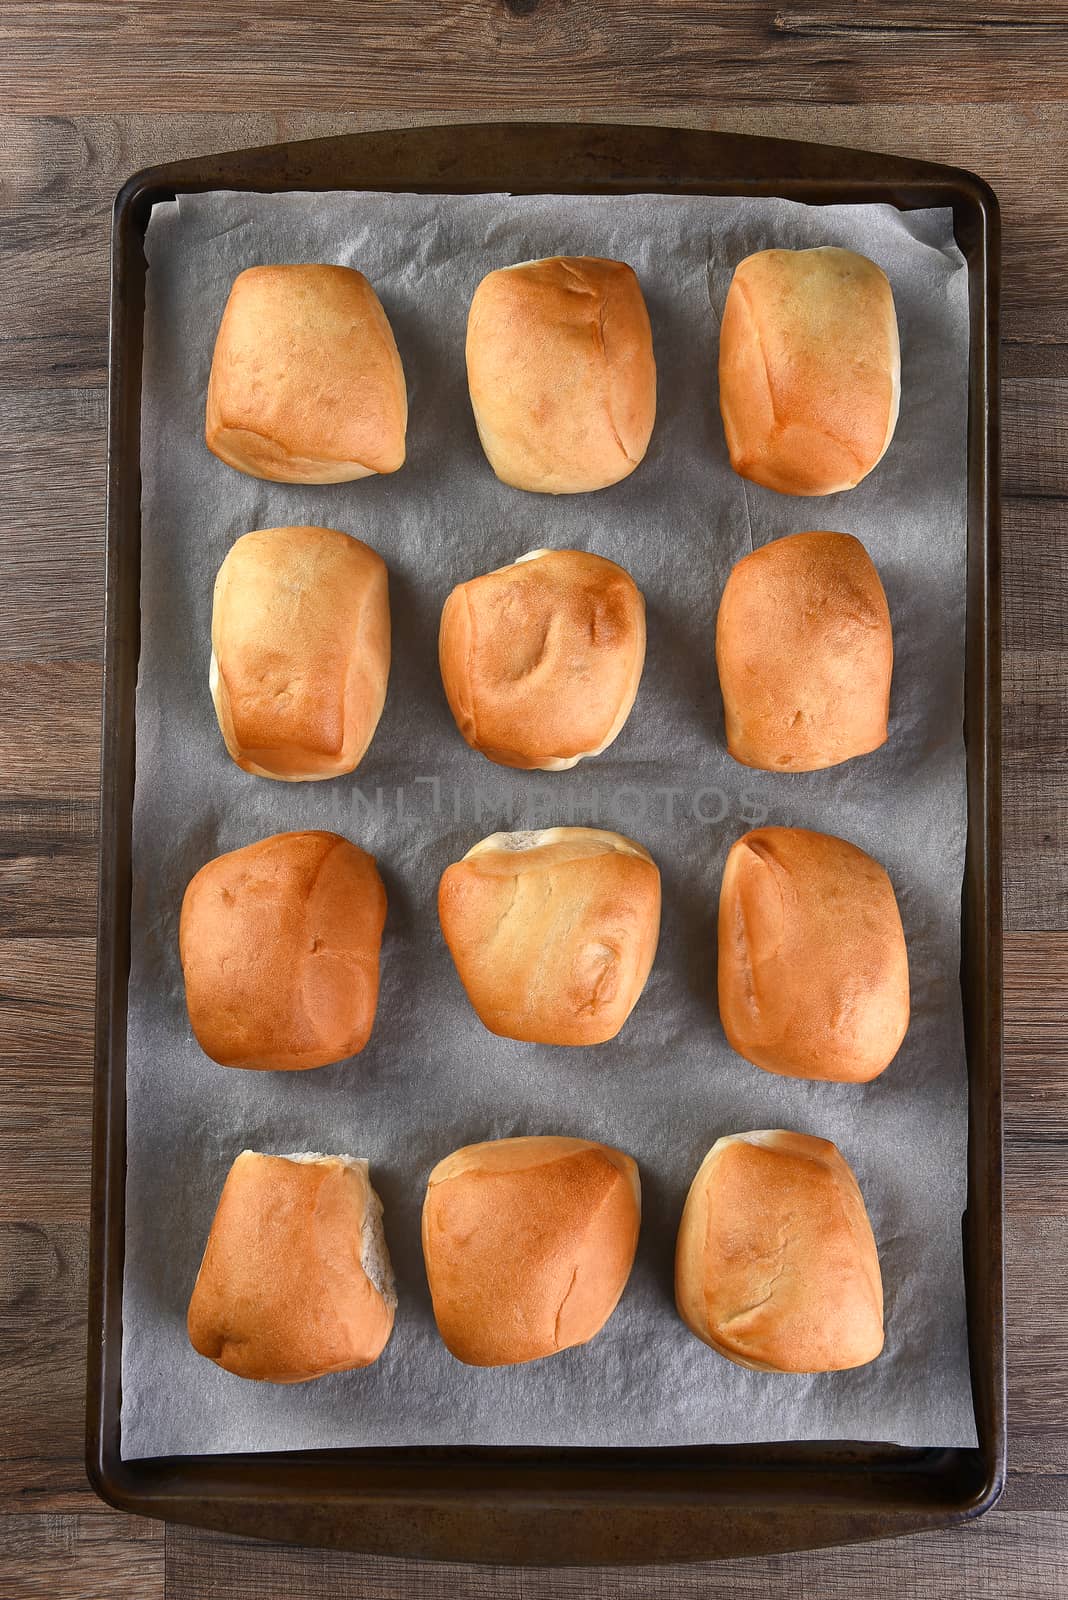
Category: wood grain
[46,1029]
[1026,1559]
[1035,793]
[986,88]
[52,490]
[43,1288]
[85,1557]
[524,53]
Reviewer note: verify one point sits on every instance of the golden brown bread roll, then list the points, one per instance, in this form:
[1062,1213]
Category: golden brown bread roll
[813,971]
[805,654]
[561,372]
[809,369]
[541,659]
[528,1245]
[279,944]
[306,384]
[296,1279]
[299,651]
[776,1266]
[553,932]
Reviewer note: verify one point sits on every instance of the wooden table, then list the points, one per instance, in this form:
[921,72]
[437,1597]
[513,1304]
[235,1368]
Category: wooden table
[91,90]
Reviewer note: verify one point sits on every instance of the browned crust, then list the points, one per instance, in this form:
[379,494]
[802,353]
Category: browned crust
[809,369]
[561,373]
[776,1266]
[306,383]
[295,1281]
[541,660]
[300,636]
[528,1245]
[553,933]
[279,944]
[813,969]
[805,654]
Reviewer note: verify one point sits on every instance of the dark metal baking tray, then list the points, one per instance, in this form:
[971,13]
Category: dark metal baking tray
[564,1506]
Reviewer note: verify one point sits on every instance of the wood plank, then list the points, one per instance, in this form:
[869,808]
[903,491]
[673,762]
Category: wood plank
[96,1556]
[46,1035]
[56,302]
[46,893]
[1037,1329]
[1036,1056]
[55,754]
[1035,789]
[1011,1555]
[1036,1188]
[52,455]
[1035,419]
[96,55]
[48,818]
[48,799]
[1034,567]
[43,1289]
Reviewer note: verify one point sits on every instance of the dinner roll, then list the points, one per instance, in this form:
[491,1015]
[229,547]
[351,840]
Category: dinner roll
[776,1265]
[306,384]
[809,369]
[528,1245]
[279,944]
[561,372]
[805,654]
[541,659]
[296,1279]
[813,972]
[299,651]
[553,932]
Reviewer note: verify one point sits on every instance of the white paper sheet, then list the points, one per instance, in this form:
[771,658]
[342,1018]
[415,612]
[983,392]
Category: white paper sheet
[432,1078]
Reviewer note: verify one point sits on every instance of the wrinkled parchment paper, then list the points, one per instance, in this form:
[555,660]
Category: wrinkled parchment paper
[432,1078]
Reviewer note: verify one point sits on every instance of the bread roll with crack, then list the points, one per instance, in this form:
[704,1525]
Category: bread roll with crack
[306,384]
[561,372]
[541,660]
[813,970]
[528,1245]
[299,651]
[809,369]
[805,654]
[296,1278]
[279,944]
[776,1266]
[553,932]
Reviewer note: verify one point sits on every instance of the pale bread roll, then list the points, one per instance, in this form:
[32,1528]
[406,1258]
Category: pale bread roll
[541,660]
[561,372]
[776,1265]
[300,651]
[296,1278]
[805,654]
[813,970]
[279,944]
[553,931]
[528,1245]
[306,384]
[809,369]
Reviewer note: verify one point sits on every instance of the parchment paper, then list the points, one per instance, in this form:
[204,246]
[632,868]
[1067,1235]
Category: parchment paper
[432,1078]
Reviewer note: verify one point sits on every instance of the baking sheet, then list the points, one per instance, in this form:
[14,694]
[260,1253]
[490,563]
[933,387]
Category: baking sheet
[431,1077]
